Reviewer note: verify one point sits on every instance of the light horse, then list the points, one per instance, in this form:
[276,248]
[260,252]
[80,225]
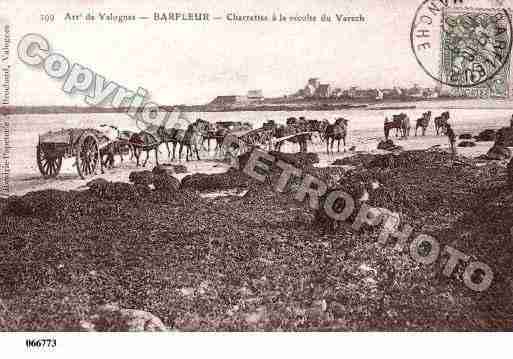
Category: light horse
[441,122]
[196,131]
[423,122]
[193,139]
[336,131]
[120,145]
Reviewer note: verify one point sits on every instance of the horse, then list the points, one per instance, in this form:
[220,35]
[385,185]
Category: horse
[322,129]
[219,136]
[318,127]
[146,141]
[405,124]
[283,131]
[193,139]
[293,126]
[441,122]
[395,123]
[336,131]
[210,135]
[423,122]
[120,144]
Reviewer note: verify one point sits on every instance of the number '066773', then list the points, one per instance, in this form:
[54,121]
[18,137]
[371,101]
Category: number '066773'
[40,343]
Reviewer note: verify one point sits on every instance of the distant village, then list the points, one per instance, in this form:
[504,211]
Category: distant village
[314,89]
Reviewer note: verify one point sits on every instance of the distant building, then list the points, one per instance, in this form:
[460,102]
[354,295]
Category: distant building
[392,93]
[352,92]
[229,100]
[415,91]
[255,95]
[309,91]
[314,82]
[337,92]
[323,91]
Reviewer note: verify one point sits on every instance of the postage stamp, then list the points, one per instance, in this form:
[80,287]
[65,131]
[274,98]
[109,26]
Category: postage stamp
[475,50]
[464,47]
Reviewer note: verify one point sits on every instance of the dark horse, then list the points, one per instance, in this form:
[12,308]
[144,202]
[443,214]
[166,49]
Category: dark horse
[441,122]
[388,125]
[336,131]
[211,134]
[294,126]
[146,141]
[423,122]
[400,122]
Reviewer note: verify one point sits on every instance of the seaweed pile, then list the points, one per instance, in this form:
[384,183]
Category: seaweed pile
[388,145]
[504,137]
[233,178]
[486,135]
[260,262]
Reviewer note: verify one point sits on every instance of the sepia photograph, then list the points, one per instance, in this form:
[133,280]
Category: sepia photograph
[255,168]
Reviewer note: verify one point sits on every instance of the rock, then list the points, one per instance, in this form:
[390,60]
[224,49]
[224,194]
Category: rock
[486,135]
[465,136]
[466,144]
[144,178]
[498,152]
[110,317]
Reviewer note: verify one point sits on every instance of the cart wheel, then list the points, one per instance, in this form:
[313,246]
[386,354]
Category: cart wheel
[88,155]
[49,161]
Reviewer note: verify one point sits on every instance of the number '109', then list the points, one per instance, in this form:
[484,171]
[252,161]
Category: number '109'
[47,17]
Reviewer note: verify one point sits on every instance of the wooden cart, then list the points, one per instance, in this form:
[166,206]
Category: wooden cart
[83,144]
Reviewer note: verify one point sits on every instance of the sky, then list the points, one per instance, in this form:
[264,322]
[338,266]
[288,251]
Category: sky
[191,63]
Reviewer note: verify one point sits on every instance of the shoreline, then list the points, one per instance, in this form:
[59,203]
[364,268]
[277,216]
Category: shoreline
[317,105]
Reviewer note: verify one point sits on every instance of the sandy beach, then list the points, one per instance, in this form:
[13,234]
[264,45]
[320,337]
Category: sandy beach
[365,131]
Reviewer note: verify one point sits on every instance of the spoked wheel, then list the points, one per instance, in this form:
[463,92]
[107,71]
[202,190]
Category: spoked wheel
[49,161]
[88,155]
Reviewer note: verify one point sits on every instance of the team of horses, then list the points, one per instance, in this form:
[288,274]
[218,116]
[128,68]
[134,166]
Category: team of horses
[401,123]
[296,130]
[135,143]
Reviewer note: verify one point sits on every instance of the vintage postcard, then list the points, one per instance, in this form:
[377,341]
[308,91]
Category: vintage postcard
[317,165]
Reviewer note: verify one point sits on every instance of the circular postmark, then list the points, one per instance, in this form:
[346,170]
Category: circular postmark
[462,46]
